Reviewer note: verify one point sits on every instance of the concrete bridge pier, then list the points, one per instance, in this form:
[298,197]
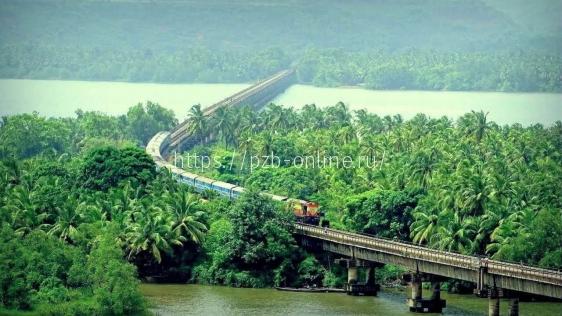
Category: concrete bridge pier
[493,302]
[513,307]
[351,275]
[416,302]
[353,285]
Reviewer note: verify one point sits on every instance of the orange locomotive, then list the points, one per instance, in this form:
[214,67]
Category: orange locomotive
[307,212]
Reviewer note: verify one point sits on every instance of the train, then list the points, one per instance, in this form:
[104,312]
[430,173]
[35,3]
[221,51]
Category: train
[305,211]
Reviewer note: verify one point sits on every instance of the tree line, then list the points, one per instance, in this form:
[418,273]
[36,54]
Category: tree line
[381,70]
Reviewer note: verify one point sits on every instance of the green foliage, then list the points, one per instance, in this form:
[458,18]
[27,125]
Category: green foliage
[349,43]
[41,271]
[431,70]
[115,285]
[384,213]
[143,122]
[246,246]
[106,167]
[26,135]
[29,135]
[261,234]
[311,271]
[468,186]
[534,241]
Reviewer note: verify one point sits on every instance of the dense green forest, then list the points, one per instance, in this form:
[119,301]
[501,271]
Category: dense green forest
[87,215]
[481,45]
[469,186]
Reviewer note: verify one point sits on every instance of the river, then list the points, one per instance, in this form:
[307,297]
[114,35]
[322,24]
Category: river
[62,98]
[167,299]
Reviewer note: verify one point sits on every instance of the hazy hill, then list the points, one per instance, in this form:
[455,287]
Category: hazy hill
[245,24]
[507,44]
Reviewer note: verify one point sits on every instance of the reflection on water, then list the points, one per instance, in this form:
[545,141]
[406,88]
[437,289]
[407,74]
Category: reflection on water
[215,300]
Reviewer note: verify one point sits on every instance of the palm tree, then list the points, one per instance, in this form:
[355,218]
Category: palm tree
[470,188]
[247,145]
[277,118]
[67,219]
[456,233]
[152,231]
[475,124]
[311,117]
[425,225]
[346,134]
[371,148]
[368,124]
[423,165]
[25,212]
[249,122]
[265,143]
[481,125]
[183,208]
[222,124]
[339,114]
[197,125]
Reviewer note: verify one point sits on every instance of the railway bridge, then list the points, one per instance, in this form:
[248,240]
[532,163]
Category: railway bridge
[254,96]
[493,279]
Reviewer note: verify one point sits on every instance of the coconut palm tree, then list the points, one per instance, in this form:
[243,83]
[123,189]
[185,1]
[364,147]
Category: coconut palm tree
[152,232]
[424,226]
[339,114]
[222,124]
[346,134]
[185,215]
[67,218]
[198,123]
[423,164]
[475,124]
[24,209]
[455,234]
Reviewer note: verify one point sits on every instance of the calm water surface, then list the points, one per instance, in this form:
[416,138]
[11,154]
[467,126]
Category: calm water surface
[504,108]
[62,98]
[216,300]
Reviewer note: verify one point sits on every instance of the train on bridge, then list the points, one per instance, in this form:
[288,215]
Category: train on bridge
[305,212]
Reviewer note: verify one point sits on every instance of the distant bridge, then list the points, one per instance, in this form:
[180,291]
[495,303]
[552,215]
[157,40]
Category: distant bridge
[493,278]
[254,96]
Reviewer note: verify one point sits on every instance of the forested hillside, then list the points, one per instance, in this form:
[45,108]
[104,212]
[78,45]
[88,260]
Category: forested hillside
[241,41]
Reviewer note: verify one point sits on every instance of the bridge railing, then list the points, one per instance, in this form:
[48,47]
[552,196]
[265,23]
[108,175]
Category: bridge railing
[179,130]
[390,247]
[522,271]
[403,249]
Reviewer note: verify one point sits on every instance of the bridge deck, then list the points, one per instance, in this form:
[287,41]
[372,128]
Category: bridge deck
[506,275]
[179,134]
